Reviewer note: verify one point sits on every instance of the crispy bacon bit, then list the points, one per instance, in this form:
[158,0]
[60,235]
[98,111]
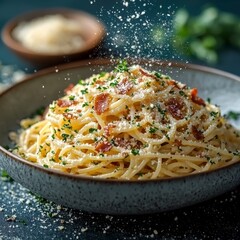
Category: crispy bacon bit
[103,147]
[101,103]
[108,129]
[197,133]
[69,88]
[99,82]
[64,103]
[128,143]
[176,107]
[147,74]
[178,143]
[195,97]
[121,142]
[176,84]
[124,86]
[173,83]
[69,116]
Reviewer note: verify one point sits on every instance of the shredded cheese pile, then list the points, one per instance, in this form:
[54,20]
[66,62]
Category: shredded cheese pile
[50,34]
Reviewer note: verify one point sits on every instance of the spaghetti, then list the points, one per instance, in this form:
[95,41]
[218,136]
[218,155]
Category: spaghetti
[129,123]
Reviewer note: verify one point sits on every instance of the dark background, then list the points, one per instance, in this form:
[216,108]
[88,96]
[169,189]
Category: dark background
[26,216]
[107,11]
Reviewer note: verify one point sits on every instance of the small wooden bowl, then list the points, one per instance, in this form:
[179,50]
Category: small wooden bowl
[92,32]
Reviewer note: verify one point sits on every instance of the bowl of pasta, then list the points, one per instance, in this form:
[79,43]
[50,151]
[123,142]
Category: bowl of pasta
[122,137]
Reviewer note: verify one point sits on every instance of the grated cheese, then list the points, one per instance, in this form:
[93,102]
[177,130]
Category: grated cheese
[50,34]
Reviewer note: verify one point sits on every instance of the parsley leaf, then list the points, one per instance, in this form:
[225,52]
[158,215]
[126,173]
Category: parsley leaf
[122,66]
[85,91]
[135,152]
[91,130]
[232,115]
[5,177]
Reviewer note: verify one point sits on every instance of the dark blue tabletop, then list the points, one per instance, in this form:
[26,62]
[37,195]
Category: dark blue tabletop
[24,215]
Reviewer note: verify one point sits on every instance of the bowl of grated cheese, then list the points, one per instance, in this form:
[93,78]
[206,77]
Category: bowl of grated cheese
[51,36]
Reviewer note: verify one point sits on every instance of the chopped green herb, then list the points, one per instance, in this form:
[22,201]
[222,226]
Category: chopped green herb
[214,114]
[7,147]
[122,66]
[160,110]
[153,129]
[182,93]
[22,221]
[162,83]
[166,135]
[148,84]
[67,125]
[232,115]
[85,104]
[50,214]
[39,198]
[101,88]
[91,130]
[67,110]
[210,160]
[135,152]
[237,153]
[5,176]
[45,165]
[71,97]
[65,136]
[85,91]
[82,82]
[113,84]
[158,75]
[102,74]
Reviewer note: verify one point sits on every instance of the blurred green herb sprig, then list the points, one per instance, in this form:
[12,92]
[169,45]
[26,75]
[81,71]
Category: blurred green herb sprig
[204,35]
[5,176]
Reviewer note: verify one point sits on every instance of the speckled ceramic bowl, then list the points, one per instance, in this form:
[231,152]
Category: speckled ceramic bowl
[114,196]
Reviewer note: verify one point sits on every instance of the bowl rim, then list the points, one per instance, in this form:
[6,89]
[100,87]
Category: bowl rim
[15,45]
[105,62]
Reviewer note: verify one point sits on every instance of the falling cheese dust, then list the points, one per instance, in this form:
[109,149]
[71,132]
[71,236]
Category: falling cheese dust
[139,29]
[23,213]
